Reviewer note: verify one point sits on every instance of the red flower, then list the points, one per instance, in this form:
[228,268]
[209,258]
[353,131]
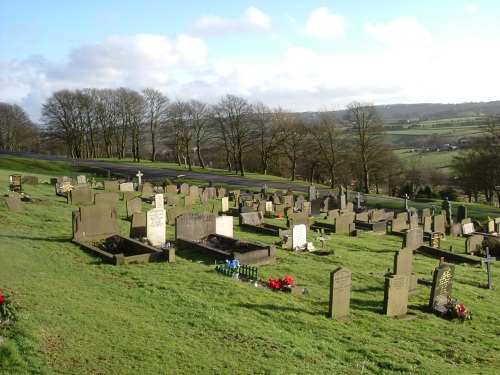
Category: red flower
[2,300]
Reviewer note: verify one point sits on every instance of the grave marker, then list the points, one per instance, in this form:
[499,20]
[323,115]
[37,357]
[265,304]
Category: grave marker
[134,206]
[340,293]
[14,203]
[442,285]
[488,260]
[396,295]
[156,226]
[299,237]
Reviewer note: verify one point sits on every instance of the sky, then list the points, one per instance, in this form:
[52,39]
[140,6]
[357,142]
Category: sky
[300,55]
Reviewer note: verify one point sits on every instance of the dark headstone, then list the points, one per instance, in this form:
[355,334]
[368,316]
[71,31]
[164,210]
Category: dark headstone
[134,206]
[474,243]
[442,285]
[138,225]
[195,226]
[461,213]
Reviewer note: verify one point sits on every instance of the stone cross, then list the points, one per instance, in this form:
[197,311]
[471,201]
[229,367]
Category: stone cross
[358,200]
[488,260]
[139,175]
[406,202]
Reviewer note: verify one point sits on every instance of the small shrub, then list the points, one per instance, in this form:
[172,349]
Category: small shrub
[494,245]
[449,193]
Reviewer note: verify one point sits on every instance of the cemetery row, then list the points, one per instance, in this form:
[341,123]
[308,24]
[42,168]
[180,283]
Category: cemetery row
[95,227]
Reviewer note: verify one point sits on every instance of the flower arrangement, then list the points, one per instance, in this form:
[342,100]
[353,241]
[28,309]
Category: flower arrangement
[457,309]
[280,283]
[6,308]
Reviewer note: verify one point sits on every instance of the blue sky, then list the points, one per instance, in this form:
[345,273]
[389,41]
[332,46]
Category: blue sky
[300,55]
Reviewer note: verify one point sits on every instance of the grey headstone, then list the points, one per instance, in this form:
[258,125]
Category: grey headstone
[127,186]
[195,226]
[474,243]
[340,293]
[134,206]
[107,198]
[442,286]
[138,225]
[396,295]
[413,239]
[80,195]
[110,185]
[14,203]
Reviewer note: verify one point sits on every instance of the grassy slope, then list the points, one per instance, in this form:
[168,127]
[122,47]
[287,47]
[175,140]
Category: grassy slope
[80,316]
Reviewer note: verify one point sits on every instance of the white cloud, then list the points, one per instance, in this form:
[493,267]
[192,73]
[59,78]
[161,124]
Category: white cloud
[252,20]
[400,32]
[471,8]
[324,24]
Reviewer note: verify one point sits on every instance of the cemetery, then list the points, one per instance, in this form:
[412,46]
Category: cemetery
[407,288]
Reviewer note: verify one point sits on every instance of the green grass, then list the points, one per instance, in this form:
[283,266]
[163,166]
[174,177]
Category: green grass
[78,315]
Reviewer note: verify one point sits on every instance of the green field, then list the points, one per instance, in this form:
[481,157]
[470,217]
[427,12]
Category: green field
[78,315]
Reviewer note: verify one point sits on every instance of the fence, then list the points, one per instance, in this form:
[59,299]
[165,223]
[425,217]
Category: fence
[243,271]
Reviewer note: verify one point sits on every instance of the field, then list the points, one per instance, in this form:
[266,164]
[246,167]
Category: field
[78,315]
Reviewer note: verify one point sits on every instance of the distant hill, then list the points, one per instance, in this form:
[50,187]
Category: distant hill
[430,111]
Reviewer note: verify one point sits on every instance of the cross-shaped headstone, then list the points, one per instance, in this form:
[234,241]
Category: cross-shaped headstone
[406,201]
[358,200]
[139,176]
[488,260]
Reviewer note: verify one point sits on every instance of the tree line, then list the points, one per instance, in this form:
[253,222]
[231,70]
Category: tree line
[346,147]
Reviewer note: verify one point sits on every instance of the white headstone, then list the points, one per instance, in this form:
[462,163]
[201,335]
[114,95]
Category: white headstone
[156,220]
[224,225]
[269,206]
[159,201]
[80,180]
[139,177]
[126,186]
[299,236]
[468,228]
[225,204]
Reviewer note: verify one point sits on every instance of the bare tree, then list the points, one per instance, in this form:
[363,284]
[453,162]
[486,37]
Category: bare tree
[366,131]
[200,117]
[17,131]
[181,127]
[156,115]
[330,142]
[269,124]
[293,141]
[233,114]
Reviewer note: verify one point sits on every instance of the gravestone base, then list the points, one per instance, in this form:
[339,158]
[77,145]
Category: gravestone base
[123,250]
[294,289]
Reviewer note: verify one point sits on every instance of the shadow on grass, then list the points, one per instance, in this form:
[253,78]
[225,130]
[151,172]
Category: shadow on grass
[264,308]
[375,306]
[47,239]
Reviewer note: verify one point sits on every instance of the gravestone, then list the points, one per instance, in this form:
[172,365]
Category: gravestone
[269,206]
[171,189]
[107,198]
[474,243]
[438,223]
[110,185]
[378,215]
[209,192]
[288,200]
[446,207]
[138,225]
[252,218]
[159,201]
[396,295]
[80,195]
[14,203]
[311,193]
[224,225]
[333,214]
[315,207]
[350,207]
[413,222]
[134,206]
[184,188]
[468,228]
[490,226]
[299,236]
[221,193]
[298,203]
[224,204]
[127,195]
[306,207]
[340,293]
[427,224]
[91,223]
[456,230]
[297,218]
[127,186]
[139,177]
[399,224]
[362,216]
[488,260]
[30,180]
[402,215]
[442,285]
[173,201]
[147,190]
[195,226]
[189,200]
[15,183]
[81,180]
[343,223]
[461,213]
[203,200]
[341,199]
[403,265]
[156,220]
[193,191]
[426,212]
[413,239]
